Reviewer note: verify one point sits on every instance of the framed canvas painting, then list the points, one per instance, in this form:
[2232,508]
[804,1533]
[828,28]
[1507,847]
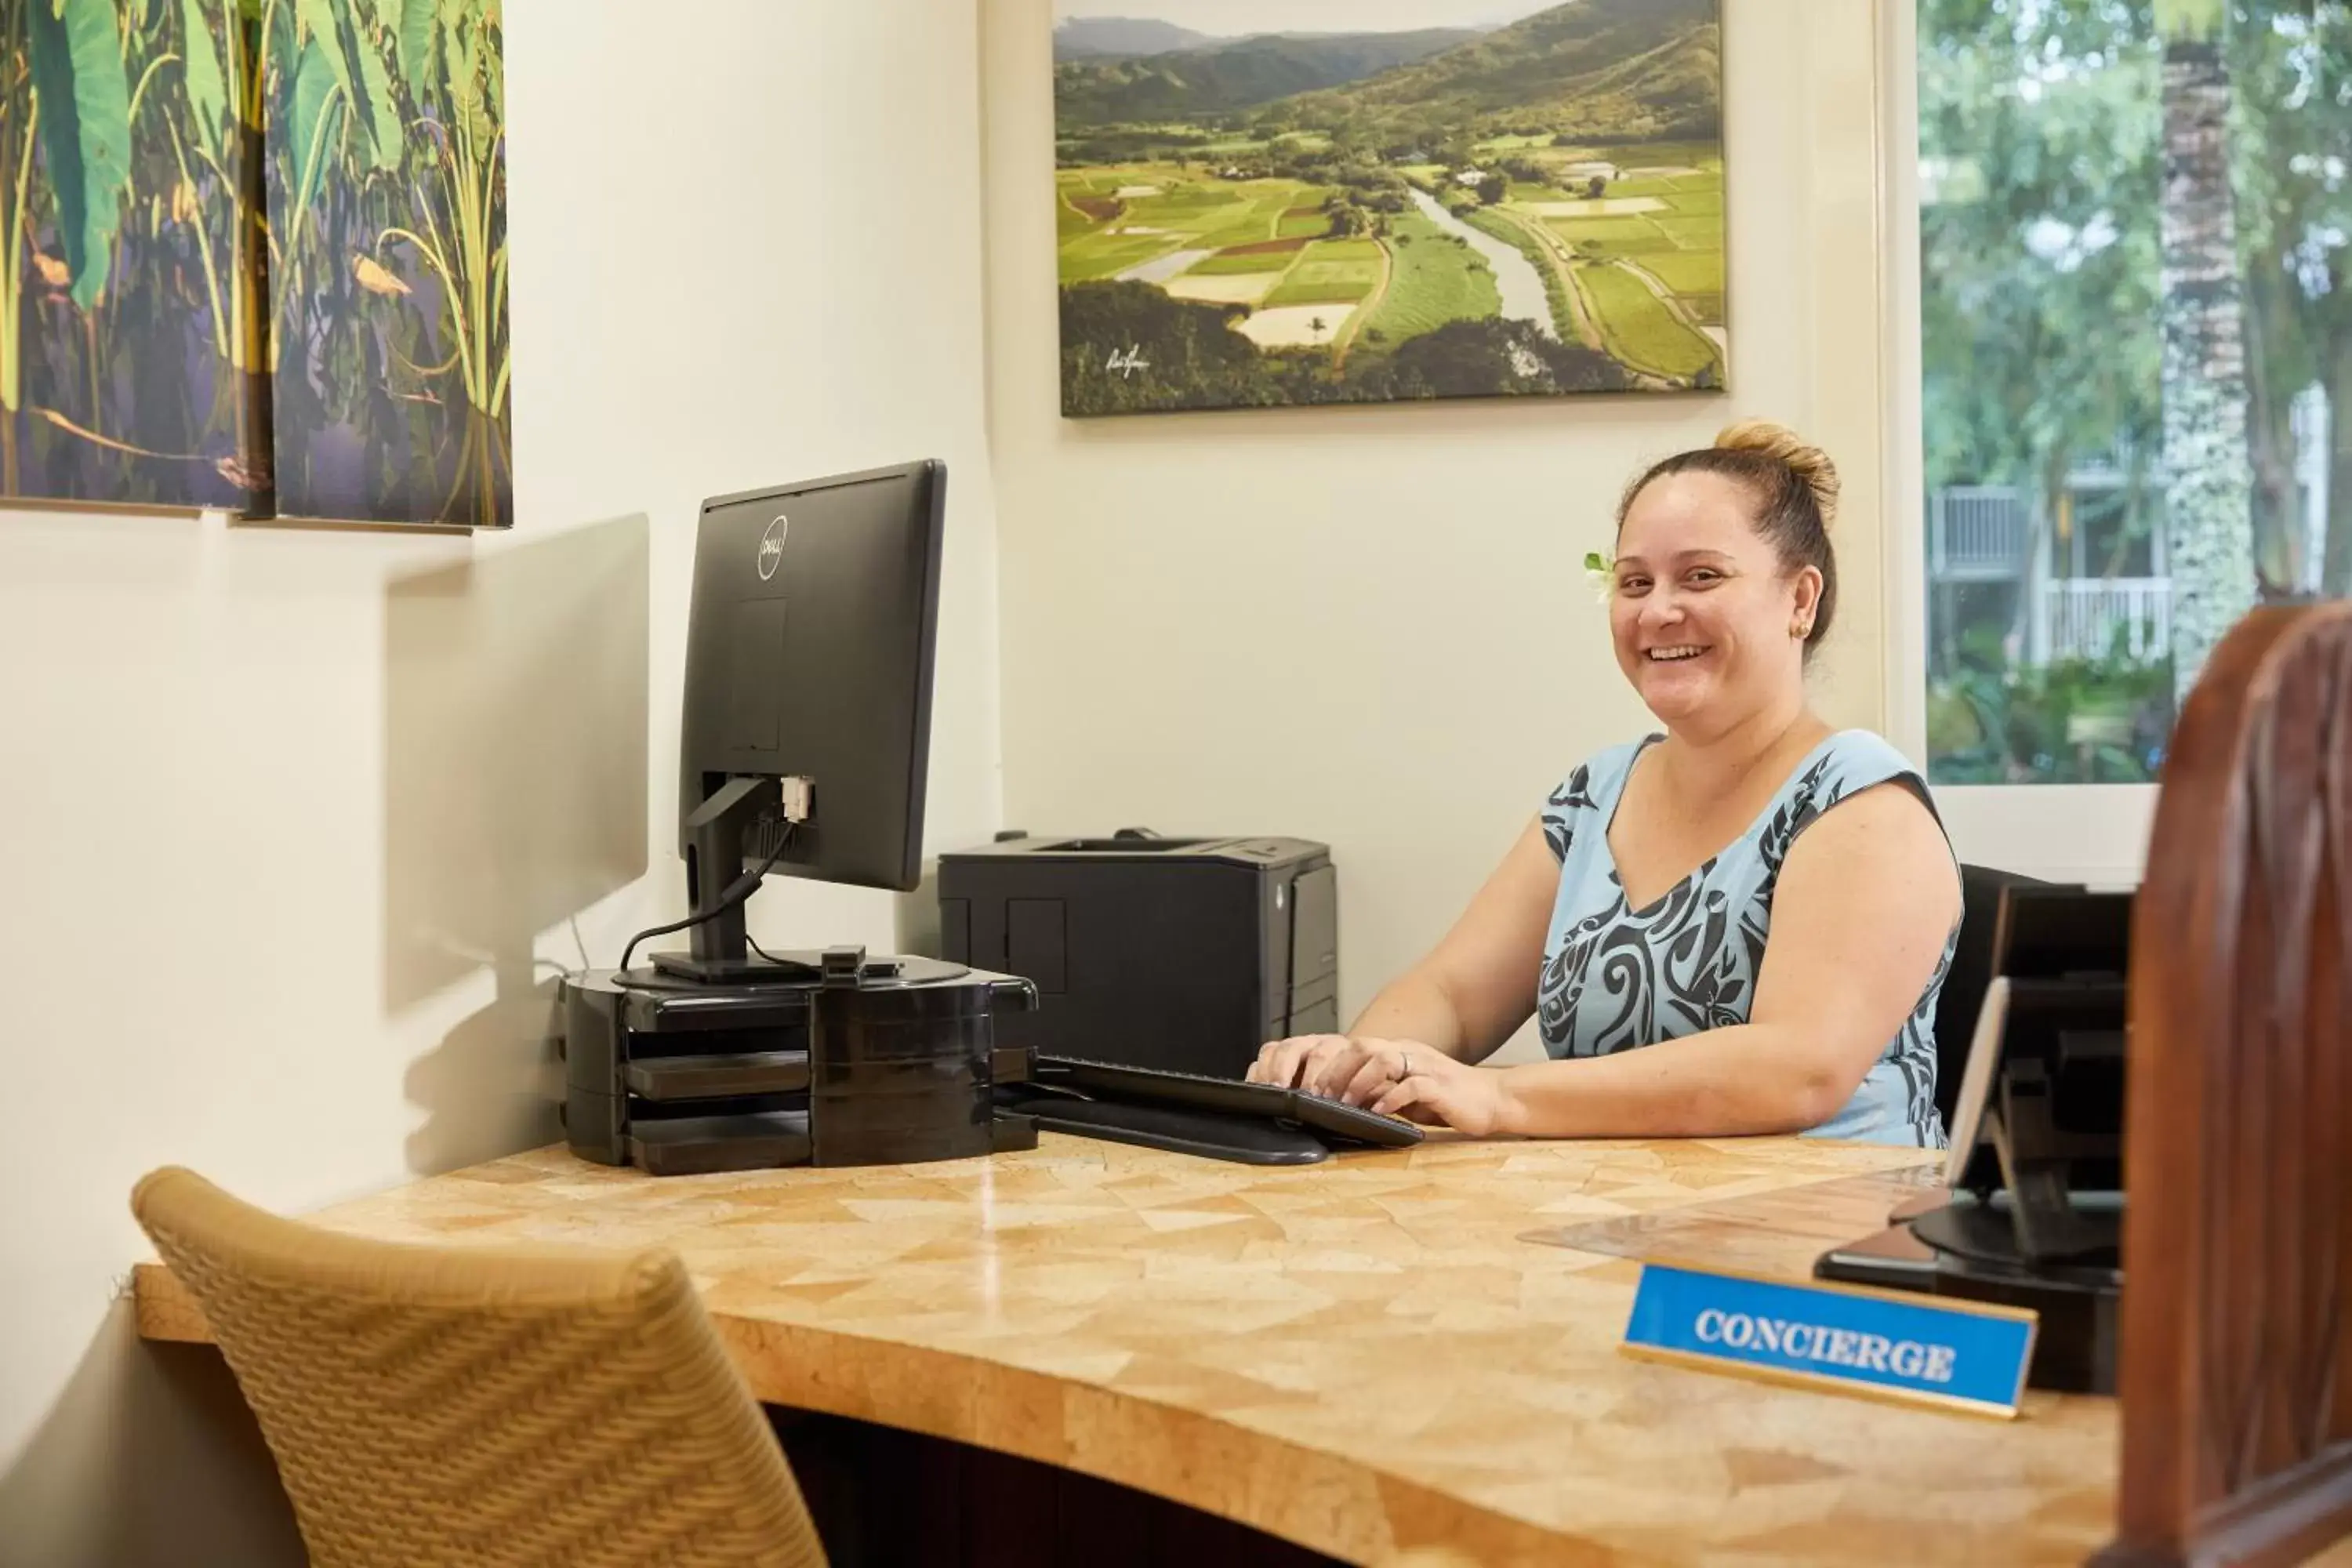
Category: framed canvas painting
[1267,202]
[131,355]
[386,177]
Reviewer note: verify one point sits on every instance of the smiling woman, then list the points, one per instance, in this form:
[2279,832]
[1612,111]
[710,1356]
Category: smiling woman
[1740,925]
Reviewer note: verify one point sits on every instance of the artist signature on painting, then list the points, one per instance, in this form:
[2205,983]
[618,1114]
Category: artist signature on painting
[1125,363]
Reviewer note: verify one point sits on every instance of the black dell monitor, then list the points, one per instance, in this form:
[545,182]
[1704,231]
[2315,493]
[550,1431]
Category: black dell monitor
[807,721]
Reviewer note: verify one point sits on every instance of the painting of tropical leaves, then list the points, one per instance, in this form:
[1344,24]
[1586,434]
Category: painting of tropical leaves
[253,255]
[385,165]
[130,357]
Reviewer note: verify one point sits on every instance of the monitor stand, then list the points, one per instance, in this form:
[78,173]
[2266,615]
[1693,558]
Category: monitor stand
[721,953]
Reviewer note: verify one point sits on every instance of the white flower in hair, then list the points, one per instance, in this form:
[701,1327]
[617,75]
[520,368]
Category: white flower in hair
[1601,573]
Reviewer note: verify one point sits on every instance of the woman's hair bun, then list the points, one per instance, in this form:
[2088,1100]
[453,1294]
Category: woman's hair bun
[1803,458]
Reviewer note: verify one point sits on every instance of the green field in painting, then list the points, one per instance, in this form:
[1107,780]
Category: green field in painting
[1114,218]
[1640,329]
[1689,272]
[1436,279]
[1099,255]
[1700,233]
[1333,271]
[1240,264]
[1612,236]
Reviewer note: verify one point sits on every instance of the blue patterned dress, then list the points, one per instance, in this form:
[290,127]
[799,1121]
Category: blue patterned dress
[1616,978]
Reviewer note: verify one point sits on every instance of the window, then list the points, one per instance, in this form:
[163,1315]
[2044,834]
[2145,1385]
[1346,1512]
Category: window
[2136,359]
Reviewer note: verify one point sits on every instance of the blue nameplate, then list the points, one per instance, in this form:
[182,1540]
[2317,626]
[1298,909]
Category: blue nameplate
[1960,1355]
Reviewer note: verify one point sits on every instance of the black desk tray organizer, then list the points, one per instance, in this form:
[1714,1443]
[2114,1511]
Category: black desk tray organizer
[868,1063]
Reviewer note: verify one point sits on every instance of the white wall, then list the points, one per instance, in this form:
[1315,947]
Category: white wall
[1372,626]
[283,816]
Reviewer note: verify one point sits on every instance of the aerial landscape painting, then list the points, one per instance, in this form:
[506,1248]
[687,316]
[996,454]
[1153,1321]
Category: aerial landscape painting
[1265,203]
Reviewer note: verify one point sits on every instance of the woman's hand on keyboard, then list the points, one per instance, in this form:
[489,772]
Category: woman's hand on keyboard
[1394,1077]
[1361,1071]
[1296,1062]
[1405,1079]
[1443,1093]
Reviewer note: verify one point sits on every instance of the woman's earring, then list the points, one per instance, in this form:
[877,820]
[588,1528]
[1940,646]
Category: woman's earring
[1801,630]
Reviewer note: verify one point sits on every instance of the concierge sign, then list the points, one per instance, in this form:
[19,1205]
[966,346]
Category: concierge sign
[1959,1355]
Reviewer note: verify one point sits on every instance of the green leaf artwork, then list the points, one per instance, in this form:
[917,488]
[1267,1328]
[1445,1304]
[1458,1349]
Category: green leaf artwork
[388,296]
[84,104]
[150,150]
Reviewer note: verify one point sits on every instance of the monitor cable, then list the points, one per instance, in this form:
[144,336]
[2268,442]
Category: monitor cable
[740,890]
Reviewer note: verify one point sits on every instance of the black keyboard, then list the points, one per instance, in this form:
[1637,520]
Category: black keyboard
[1332,1119]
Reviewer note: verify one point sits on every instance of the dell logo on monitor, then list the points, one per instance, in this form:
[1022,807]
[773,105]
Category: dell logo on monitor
[771,547]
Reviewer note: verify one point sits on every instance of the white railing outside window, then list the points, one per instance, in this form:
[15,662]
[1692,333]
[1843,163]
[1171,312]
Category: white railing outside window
[2091,618]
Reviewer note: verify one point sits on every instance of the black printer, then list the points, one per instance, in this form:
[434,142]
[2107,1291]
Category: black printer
[1184,955]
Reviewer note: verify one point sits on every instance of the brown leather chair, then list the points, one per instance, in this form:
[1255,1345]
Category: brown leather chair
[434,1407]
